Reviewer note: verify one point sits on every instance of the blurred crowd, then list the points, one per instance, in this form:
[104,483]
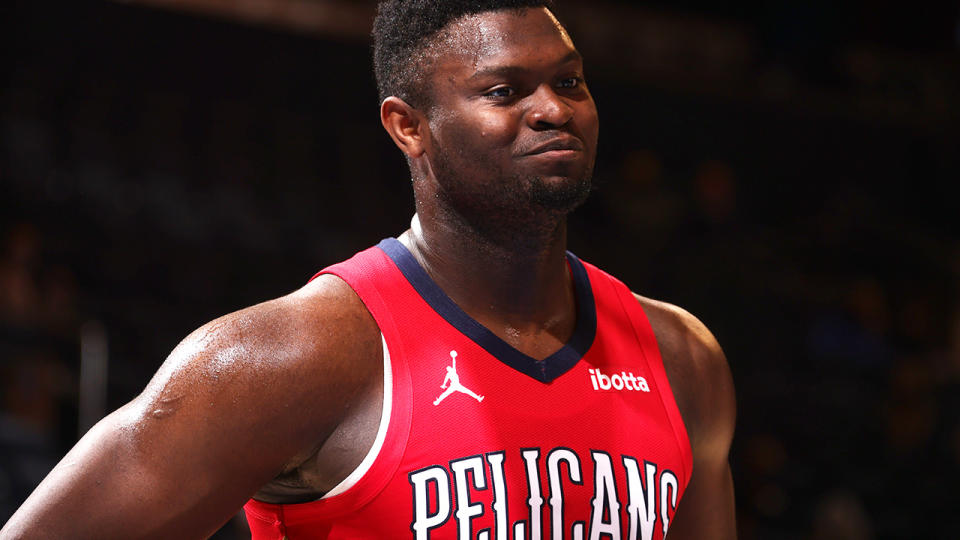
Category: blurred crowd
[820,247]
[38,323]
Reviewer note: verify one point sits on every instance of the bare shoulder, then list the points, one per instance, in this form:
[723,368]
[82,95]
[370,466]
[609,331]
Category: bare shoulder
[683,339]
[291,355]
[312,327]
[698,372]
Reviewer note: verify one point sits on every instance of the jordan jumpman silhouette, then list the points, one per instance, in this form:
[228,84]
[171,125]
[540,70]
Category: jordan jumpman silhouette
[454,381]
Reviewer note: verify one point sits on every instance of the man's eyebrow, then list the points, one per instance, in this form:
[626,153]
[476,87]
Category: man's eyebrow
[508,70]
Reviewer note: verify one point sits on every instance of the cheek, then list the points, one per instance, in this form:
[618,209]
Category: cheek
[496,130]
[476,132]
[589,121]
[479,128]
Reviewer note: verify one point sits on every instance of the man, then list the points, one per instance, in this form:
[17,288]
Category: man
[326,407]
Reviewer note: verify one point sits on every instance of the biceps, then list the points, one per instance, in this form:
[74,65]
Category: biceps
[707,509]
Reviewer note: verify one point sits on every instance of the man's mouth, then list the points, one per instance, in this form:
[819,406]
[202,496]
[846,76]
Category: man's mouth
[557,147]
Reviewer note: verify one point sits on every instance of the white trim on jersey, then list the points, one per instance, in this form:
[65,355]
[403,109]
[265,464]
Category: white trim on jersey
[371,456]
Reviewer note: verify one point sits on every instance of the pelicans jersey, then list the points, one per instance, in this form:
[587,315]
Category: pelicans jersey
[480,441]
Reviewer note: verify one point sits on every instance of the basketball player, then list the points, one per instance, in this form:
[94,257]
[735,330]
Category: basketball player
[328,413]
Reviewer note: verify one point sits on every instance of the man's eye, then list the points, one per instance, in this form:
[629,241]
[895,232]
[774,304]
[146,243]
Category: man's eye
[501,92]
[571,82]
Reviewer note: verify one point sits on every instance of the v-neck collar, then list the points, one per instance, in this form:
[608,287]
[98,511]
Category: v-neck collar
[544,370]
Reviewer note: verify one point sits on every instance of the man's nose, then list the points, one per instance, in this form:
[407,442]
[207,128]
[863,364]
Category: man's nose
[548,110]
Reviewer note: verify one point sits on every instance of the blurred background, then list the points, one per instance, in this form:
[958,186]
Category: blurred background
[784,169]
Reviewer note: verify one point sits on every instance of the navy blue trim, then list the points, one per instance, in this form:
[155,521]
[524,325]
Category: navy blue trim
[544,370]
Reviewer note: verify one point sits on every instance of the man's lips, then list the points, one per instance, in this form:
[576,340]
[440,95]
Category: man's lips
[559,146]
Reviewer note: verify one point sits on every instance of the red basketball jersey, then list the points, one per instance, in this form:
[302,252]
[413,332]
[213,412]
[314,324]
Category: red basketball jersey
[480,441]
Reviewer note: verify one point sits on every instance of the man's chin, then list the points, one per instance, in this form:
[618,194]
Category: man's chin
[560,193]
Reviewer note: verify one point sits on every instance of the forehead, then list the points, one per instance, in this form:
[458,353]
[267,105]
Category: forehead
[530,35]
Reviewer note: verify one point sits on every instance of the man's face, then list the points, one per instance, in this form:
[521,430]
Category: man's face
[513,126]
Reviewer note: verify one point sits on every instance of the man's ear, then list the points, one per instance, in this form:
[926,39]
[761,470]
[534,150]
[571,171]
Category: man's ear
[406,125]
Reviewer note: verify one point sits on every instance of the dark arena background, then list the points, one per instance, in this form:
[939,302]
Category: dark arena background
[785,170]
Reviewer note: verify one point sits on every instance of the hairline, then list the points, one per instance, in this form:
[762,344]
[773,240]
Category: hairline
[423,46]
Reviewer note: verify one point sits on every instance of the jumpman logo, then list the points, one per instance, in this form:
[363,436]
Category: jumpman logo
[454,381]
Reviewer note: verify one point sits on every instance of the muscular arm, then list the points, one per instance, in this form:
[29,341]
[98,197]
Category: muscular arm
[702,385]
[239,401]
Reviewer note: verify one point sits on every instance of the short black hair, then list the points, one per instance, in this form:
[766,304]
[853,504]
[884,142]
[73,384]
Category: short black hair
[403,31]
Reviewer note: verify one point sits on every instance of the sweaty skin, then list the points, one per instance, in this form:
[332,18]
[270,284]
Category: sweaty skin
[282,400]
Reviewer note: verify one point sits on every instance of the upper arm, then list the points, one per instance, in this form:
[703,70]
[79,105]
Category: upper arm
[237,402]
[703,388]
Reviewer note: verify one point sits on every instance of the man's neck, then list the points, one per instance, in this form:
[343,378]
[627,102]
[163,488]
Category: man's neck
[517,285]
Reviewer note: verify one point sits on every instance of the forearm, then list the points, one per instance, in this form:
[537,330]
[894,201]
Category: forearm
[106,488]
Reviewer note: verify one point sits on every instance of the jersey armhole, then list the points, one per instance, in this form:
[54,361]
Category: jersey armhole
[385,411]
[382,460]
[654,360]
